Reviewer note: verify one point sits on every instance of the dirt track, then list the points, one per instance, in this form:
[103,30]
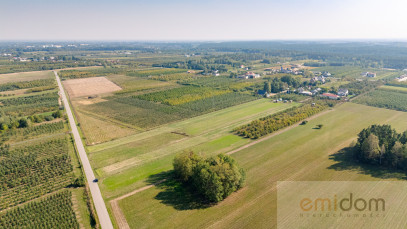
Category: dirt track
[117,212]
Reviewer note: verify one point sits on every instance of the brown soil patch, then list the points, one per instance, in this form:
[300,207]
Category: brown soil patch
[89,86]
[90,101]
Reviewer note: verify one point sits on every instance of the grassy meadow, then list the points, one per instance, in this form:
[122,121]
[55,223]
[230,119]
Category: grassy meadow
[303,153]
[125,163]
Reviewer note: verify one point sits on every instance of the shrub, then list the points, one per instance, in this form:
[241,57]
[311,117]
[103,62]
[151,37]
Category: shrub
[57,114]
[49,118]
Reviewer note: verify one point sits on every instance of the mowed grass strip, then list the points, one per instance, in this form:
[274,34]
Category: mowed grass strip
[208,131]
[301,153]
[132,149]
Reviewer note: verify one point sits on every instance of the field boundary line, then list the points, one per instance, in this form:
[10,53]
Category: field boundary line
[278,132]
[117,211]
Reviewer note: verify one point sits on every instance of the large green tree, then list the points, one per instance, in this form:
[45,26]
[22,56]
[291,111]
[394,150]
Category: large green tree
[215,177]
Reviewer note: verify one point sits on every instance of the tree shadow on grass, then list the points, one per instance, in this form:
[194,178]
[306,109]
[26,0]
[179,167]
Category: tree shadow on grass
[345,160]
[176,194]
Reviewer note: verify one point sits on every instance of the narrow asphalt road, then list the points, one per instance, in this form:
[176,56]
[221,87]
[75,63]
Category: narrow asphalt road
[100,206]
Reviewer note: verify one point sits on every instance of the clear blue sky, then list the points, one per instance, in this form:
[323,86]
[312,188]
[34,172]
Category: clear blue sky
[202,20]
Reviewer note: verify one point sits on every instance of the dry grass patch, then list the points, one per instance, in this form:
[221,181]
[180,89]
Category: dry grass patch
[89,86]
[98,131]
[90,101]
[25,76]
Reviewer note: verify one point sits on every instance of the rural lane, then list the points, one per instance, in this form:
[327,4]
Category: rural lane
[100,206]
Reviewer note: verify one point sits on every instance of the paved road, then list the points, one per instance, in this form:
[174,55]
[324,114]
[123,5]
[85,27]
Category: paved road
[100,206]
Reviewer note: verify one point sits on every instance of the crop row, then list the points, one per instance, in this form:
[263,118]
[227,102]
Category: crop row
[385,99]
[55,211]
[182,95]
[27,84]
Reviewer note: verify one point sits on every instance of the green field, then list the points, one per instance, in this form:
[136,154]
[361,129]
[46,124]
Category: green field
[302,153]
[355,71]
[123,164]
[385,98]
[394,88]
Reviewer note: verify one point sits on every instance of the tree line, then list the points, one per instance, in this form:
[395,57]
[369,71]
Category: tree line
[274,122]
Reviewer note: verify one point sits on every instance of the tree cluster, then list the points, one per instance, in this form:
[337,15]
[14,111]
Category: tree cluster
[274,122]
[27,122]
[215,178]
[280,84]
[359,87]
[382,145]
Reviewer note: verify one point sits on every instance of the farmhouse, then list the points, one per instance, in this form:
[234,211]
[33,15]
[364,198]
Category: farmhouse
[343,92]
[302,91]
[243,77]
[369,74]
[402,78]
[215,73]
[316,91]
[326,74]
[320,78]
[264,93]
[330,96]
[252,75]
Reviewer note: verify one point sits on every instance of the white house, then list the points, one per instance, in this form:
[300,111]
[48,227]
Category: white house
[343,92]
[369,74]
[402,78]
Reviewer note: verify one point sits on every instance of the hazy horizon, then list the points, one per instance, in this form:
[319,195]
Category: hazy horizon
[181,20]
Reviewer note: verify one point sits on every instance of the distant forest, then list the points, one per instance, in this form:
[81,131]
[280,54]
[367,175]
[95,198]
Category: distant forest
[375,54]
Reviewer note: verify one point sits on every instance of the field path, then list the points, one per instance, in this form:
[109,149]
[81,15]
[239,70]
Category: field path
[100,206]
[118,213]
[277,132]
